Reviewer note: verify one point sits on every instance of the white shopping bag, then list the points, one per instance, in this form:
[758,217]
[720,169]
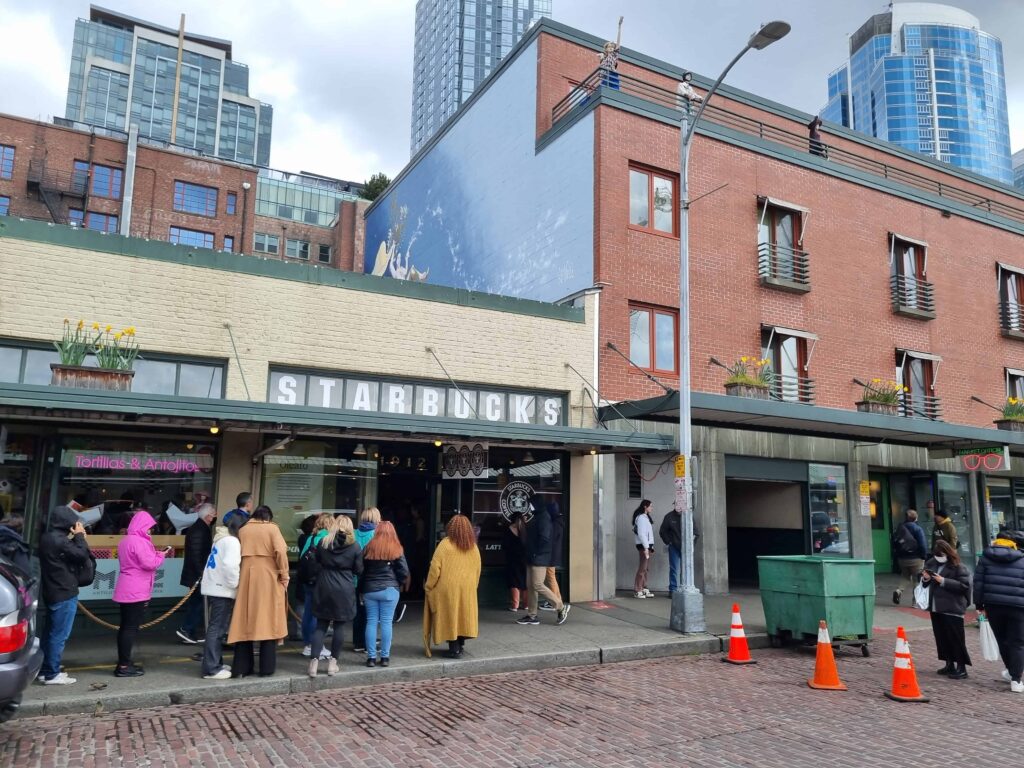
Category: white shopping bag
[921,594]
[989,646]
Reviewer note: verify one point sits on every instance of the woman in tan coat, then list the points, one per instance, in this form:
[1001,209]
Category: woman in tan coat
[451,610]
[259,614]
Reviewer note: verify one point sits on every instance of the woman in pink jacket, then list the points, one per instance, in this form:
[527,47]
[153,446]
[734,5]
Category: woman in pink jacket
[139,561]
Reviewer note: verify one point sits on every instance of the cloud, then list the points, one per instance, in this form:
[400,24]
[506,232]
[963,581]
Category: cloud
[33,63]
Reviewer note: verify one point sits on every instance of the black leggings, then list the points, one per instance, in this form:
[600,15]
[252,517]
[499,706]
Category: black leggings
[337,639]
[243,662]
[131,618]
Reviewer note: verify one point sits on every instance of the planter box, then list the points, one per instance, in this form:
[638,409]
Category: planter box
[886,409]
[90,378]
[747,390]
[1010,425]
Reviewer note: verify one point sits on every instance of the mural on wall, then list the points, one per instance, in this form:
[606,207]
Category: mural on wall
[482,210]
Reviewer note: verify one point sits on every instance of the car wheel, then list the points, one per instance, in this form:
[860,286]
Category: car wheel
[9,709]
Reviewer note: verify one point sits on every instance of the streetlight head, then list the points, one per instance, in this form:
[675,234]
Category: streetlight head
[768,34]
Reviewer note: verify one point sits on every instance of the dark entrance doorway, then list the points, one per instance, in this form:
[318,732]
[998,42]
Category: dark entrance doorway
[406,494]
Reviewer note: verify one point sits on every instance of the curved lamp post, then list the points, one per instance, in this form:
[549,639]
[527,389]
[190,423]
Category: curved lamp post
[688,602]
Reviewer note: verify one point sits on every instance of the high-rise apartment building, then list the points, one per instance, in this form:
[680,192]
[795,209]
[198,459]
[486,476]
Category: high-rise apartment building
[458,44]
[126,71]
[924,76]
[1017,159]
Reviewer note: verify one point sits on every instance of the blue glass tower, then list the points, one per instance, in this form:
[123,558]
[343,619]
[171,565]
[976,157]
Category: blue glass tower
[924,76]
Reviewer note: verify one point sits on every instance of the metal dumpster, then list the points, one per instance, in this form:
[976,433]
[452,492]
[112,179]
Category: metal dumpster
[798,591]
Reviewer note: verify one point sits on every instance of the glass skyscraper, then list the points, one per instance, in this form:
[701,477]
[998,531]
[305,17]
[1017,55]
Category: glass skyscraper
[458,44]
[125,71]
[1018,168]
[924,76]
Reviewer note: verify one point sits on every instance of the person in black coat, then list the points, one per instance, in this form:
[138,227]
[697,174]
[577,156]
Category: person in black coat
[949,594]
[999,593]
[514,549]
[539,553]
[340,560]
[63,552]
[198,543]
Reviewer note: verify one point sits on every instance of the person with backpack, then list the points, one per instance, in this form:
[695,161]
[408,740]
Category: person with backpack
[220,587]
[340,561]
[240,515]
[64,564]
[909,543]
[369,519]
[309,569]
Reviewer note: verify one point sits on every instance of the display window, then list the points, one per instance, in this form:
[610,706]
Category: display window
[17,453]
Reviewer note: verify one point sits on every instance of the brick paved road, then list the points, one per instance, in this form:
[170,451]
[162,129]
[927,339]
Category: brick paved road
[680,711]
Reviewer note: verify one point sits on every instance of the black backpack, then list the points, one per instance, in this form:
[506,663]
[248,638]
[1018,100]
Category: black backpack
[905,543]
[309,568]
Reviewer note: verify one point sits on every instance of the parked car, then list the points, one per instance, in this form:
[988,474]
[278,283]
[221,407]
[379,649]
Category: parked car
[824,532]
[21,655]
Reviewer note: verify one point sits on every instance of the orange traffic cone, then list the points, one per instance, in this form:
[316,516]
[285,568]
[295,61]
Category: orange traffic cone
[904,678]
[739,652]
[826,676]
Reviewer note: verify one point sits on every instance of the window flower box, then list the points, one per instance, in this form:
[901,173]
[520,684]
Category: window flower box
[87,377]
[873,406]
[747,390]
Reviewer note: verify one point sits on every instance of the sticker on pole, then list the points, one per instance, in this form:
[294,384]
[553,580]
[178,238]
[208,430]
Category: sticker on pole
[680,466]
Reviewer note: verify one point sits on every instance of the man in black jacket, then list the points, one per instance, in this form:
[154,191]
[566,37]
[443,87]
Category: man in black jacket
[539,554]
[198,543]
[999,592]
[240,515]
[671,533]
[63,551]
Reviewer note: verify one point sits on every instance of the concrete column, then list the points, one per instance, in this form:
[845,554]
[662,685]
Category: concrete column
[712,552]
[861,545]
[606,528]
[128,192]
[581,528]
[234,473]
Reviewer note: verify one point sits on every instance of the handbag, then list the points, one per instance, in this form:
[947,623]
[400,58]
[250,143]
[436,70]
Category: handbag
[989,646]
[921,595]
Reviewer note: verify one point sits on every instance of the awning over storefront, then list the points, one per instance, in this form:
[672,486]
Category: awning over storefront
[798,418]
[42,403]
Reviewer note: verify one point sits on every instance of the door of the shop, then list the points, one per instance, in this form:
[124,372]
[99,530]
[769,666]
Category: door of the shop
[881,523]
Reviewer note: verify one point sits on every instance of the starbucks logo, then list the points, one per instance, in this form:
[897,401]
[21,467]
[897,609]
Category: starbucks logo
[515,499]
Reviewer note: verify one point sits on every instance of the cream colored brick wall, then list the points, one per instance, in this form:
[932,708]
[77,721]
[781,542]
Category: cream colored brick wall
[183,310]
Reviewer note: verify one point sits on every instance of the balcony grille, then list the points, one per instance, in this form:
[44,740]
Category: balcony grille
[782,266]
[792,389]
[920,406]
[912,296]
[1011,317]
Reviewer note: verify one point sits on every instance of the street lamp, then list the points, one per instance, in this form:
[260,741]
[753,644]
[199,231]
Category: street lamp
[688,602]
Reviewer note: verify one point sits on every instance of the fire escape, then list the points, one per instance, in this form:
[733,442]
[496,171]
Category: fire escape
[54,186]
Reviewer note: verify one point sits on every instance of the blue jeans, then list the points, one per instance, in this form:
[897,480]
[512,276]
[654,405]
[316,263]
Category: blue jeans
[675,562]
[380,608]
[193,613]
[308,619]
[62,617]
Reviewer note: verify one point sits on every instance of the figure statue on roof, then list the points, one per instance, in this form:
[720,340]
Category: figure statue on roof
[609,63]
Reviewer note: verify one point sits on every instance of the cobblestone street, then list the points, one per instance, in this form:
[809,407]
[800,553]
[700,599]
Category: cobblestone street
[692,711]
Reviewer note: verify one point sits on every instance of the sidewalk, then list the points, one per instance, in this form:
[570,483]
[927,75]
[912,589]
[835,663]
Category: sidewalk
[619,629]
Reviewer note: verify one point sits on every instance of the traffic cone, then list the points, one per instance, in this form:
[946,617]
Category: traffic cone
[826,676]
[739,652]
[904,678]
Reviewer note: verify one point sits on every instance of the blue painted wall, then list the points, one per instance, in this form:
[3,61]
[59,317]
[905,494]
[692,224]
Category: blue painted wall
[481,210]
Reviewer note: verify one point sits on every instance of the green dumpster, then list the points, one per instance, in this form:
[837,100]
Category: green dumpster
[799,591]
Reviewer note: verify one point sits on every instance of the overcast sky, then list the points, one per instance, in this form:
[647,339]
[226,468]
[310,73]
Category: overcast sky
[339,72]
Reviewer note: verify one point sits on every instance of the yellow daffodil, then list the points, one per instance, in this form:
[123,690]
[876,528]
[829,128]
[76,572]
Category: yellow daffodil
[744,359]
[130,330]
[117,336]
[66,321]
[109,328]
[875,381]
[81,324]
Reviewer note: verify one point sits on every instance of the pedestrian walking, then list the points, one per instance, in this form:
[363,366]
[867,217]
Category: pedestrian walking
[671,534]
[334,595]
[138,560]
[908,543]
[557,542]
[949,594]
[643,537]
[539,543]
[368,520]
[944,530]
[384,569]
[240,515]
[513,545]
[320,526]
[220,587]
[198,543]
[451,612]
[259,615]
[999,594]
[63,556]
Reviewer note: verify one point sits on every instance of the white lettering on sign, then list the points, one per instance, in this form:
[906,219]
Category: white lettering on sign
[431,401]
[492,406]
[327,385]
[552,410]
[361,399]
[461,406]
[523,408]
[286,390]
[395,400]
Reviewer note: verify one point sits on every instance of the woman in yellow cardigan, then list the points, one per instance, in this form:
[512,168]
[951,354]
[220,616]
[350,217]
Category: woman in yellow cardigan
[451,610]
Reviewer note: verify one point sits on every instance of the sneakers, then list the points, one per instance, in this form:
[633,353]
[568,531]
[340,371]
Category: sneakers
[400,614]
[325,654]
[1016,687]
[563,614]
[528,619]
[332,666]
[358,649]
[1006,676]
[307,650]
[221,674]
[313,663]
[384,661]
[896,595]
[186,638]
[61,678]
[130,671]
[546,606]
[639,595]
[513,608]
[648,592]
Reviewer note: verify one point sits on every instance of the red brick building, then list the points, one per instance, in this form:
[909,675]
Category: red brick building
[847,268]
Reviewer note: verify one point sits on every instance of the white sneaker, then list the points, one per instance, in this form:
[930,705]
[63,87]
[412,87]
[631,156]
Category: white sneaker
[648,592]
[1016,687]
[307,651]
[1006,676]
[61,679]
[639,595]
[325,654]
[221,674]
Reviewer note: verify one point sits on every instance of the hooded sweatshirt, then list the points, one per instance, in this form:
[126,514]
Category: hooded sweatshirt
[139,561]
[999,576]
[223,566]
[363,534]
[60,556]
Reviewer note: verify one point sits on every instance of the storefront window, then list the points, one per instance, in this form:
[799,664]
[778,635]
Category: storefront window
[16,454]
[830,525]
[998,505]
[953,499]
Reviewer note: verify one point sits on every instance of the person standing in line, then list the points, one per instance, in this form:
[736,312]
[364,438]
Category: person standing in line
[999,594]
[949,593]
[321,525]
[240,515]
[198,543]
[643,536]
[334,594]
[368,521]
[63,551]
[538,557]
[513,545]
[138,560]
[259,615]
[908,541]
[452,613]
[220,587]
[671,533]
[384,569]
[557,541]
[944,530]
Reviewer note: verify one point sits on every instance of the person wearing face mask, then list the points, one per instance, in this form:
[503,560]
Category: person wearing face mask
[949,594]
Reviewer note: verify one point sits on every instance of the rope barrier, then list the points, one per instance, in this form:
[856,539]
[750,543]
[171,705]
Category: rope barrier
[90,615]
